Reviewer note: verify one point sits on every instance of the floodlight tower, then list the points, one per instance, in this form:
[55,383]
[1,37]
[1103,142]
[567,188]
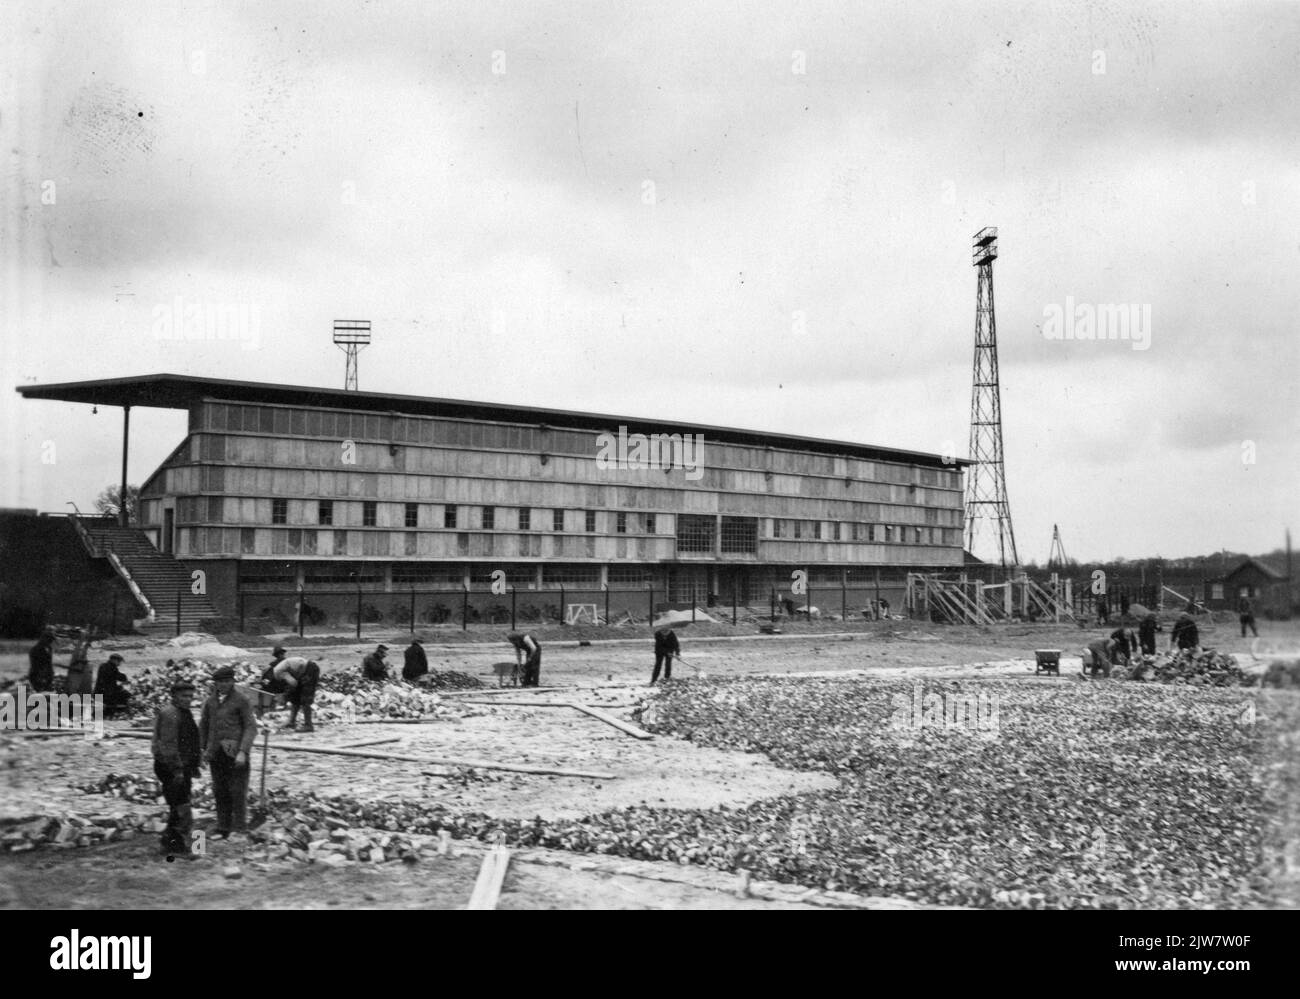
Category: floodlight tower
[987,510]
[351,335]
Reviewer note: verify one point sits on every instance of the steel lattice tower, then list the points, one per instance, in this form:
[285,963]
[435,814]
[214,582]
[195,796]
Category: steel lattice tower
[987,510]
[352,335]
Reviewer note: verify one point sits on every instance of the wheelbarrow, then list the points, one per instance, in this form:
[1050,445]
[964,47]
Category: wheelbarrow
[1047,661]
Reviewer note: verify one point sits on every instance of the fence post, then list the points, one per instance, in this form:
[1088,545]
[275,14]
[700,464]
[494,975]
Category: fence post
[512,609]
[607,605]
[178,610]
[844,600]
[773,605]
[241,612]
[692,602]
[302,609]
[735,599]
[561,603]
[412,610]
[464,610]
[650,619]
[358,611]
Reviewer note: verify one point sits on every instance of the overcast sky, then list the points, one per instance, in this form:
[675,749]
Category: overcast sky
[752,215]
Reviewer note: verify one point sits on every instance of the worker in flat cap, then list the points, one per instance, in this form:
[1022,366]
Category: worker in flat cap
[227,729]
[176,764]
[111,684]
[296,677]
[373,666]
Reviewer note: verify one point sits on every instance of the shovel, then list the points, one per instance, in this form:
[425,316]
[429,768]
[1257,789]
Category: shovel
[698,672]
[260,812]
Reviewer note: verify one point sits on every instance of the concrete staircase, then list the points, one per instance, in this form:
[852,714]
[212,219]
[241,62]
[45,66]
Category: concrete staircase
[159,577]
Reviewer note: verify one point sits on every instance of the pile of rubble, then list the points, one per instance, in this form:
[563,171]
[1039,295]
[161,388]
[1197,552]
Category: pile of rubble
[339,697]
[449,679]
[1206,668]
[69,830]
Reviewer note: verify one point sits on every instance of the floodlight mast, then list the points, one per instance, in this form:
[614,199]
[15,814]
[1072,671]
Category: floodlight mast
[987,509]
[351,335]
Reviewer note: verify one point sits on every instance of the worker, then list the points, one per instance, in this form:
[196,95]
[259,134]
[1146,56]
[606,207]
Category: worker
[227,729]
[1184,634]
[297,678]
[373,666]
[1099,655]
[416,662]
[884,609]
[1147,634]
[176,764]
[1125,643]
[526,645]
[111,684]
[666,646]
[1246,610]
[40,674]
[1103,610]
[80,680]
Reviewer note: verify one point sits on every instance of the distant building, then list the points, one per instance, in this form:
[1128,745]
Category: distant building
[1265,583]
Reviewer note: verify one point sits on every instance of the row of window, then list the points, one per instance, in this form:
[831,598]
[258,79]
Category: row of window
[283,421]
[695,533]
[379,513]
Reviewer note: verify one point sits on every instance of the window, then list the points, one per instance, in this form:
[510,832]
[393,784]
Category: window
[557,520]
[369,510]
[798,529]
[1216,591]
[489,518]
[525,519]
[739,535]
[412,514]
[889,534]
[620,522]
[449,516]
[246,541]
[279,511]
[650,523]
[340,542]
[694,533]
[590,525]
[776,527]
[325,512]
[817,526]
[409,543]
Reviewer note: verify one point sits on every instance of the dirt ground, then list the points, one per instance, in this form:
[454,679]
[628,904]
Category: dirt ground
[41,775]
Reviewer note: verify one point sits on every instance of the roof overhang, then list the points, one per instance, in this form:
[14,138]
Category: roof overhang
[165,391]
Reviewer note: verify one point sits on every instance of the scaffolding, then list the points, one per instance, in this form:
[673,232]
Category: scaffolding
[972,601]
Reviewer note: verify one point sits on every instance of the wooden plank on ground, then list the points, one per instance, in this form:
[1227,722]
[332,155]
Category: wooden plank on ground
[496,690]
[609,719]
[491,875]
[370,742]
[446,761]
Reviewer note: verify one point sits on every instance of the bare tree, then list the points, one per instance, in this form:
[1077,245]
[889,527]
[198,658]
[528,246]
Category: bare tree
[109,501]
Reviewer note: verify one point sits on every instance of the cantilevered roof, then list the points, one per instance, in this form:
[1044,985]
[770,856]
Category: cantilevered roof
[180,391]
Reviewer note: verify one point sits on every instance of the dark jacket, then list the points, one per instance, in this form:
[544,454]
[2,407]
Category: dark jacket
[1120,637]
[176,739]
[666,642]
[228,725]
[110,683]
[1244,607]
[374,668]
[41,673]
[1185,635]
[417,663]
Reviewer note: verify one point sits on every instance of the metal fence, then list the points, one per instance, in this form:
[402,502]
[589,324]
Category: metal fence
[416,607]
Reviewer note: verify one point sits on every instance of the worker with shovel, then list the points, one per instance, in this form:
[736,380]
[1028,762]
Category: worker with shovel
[666,646]
[227,729]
